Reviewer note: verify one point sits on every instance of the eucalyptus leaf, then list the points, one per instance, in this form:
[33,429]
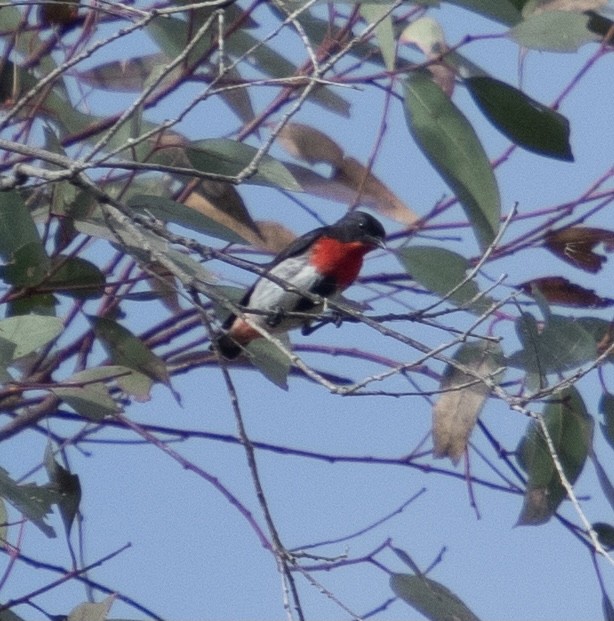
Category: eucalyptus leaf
[554,31]
[570,428]
[523,120]
[449,142]
[440,270]
[221,156]
[171,211]
[432,599]
[126,349]
[33,501]
[29,332]
[68,487]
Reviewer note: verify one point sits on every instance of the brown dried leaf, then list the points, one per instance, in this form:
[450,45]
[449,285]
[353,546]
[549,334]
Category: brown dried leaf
[535,508]
[274,236]
[575,246]
[427,35]
[58,12]
[456,411]
[372,192]
[223,204]
[309,144]
[559,290]
[444,76]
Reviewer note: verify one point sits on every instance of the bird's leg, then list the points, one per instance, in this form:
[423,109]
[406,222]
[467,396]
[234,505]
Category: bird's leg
[275,317]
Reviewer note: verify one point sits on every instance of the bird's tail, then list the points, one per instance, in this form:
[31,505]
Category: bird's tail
[228,347]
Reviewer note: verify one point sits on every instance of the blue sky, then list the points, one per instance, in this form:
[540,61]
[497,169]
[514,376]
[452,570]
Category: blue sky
[193,555]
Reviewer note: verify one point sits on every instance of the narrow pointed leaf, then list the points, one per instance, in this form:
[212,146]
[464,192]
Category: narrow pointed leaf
[451,145]
[229,157]
[432,599]
[30,499]
[173,212]
[570,428]
[125,349]
[606,407]
[75,277]
[270,361]
[554,31]
[17,227]
[384,31]
[440,271]
[523,120]
[68,487]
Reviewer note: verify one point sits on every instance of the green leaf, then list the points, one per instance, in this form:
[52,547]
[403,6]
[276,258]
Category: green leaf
[17,227]
[97,406]
[33,501]
[270,361]
[271,63]
[503,11]
[126,349]
[606,407]
[68,487]
[384,31]
[451,145]
[92,401]
[171,211]
[432,599]
[75,277]
[29,332]
[570,428]
[523,120]
[554,31]
[229,157]
[4,520]
[27,267]
[440,270]
[605,532]
[173,34]
[563,343]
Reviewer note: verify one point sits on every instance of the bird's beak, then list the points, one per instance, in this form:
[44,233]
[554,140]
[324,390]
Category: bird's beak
[378,242]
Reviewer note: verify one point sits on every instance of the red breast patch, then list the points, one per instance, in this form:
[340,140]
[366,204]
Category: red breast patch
[338,260]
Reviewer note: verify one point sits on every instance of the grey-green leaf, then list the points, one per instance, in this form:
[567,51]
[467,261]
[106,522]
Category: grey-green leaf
[30,499]
[270,361]
[29,332]
[171,211]
[523,120]
[554,31]
[17,227]
[126,349]
[570,428]
[68,487]
[229,158]
[449,142]
[440,271]
[432,599]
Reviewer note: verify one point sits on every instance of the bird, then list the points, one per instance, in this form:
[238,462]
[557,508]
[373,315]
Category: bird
[323,262]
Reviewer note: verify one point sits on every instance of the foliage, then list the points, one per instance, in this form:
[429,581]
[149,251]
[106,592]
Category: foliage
[124,228]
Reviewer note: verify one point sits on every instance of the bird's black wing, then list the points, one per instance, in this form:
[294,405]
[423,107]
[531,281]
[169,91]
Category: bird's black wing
[294,248]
